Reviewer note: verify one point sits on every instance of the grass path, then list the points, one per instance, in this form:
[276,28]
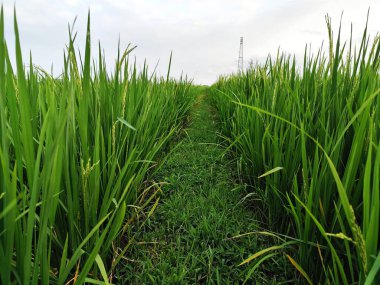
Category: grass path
[187,240]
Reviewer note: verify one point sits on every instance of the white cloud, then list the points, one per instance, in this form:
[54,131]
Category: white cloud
[203,35]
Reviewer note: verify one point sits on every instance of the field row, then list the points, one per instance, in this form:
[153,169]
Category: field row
[75,152]
[308,141]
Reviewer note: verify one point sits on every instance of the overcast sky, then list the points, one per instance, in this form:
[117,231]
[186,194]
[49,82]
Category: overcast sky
[203,35]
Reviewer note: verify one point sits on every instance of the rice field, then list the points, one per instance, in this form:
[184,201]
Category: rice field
[307,140]
[299,144]
[75,155]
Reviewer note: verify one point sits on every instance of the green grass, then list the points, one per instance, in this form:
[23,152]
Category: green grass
[75,153]
[96,185]
[188,239]
[315,133]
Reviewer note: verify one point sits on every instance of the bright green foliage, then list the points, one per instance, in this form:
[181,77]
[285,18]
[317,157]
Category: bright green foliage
[193,237]
[309,141]
[74,153]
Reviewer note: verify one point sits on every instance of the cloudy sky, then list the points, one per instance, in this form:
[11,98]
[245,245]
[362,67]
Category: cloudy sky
[203,35]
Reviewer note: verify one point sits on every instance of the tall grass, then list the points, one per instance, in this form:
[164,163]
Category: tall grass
[74,154]
[312,135]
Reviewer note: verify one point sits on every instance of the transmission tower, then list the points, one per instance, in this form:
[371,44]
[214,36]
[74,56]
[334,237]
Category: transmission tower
[240,62]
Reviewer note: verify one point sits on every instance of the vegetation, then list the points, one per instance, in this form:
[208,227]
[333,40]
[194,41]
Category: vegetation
[308,141]
[86,156]
[75,152]
[191,237]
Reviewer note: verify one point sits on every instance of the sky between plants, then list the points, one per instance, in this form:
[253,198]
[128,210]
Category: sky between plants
[203,35]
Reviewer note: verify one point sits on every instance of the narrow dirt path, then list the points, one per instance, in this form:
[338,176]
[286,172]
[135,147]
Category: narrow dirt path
[188,239]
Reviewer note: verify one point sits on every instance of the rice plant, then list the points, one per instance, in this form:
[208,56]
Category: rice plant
[75,152]
[309,142]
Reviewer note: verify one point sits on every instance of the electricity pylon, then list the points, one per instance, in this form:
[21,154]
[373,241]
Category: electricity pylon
[240,62]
